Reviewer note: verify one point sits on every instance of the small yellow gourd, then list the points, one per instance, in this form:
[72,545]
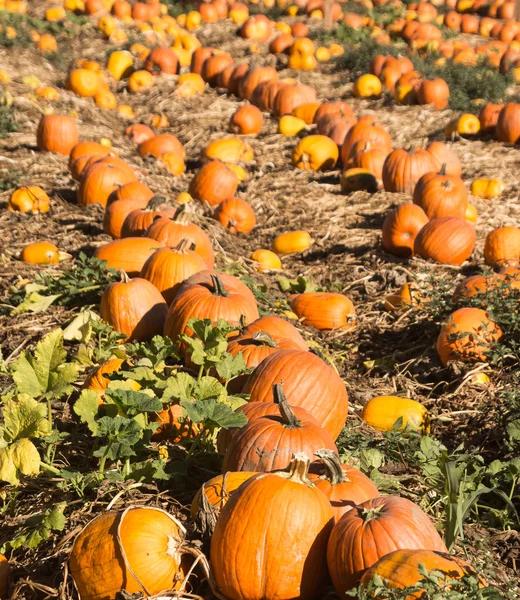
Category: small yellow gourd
[292,242]
[384,412]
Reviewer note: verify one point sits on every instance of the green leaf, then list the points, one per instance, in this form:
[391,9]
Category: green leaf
[121,434]
[87,408]
[80,328]
[231,366]
[132,403]
[24,417]
[513,430]
[19,458]
[213,414]
[209,387]
[35,303]
[37,528]
[369,459]
[178,387]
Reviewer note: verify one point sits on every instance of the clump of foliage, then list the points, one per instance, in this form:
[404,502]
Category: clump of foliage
[7,125]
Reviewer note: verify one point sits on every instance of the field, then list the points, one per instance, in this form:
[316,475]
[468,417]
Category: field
[463,470]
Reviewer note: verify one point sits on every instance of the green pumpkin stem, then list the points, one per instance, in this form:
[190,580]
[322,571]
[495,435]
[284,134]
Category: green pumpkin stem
[155,202]
[333,469]
[288,416]
[368,514]
[218,286]
[264,339]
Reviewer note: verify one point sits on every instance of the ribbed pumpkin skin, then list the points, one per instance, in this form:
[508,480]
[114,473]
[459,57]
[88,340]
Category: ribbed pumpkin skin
[474,334]
[345,495]
[400,228]
[447,240]
[214,183]
[290,97]
[199,300]
[97,381]
[441,195]
[230,282]
[96,563]
[502,246]
[128,254]
[403,169]
[369,158]
[236,215]
[141,218]
[254,350]
[324,310]
[366,130]
[135,308]
[315,153]
[135,190]
[168,268]
[57,133]
[508,124]
[171,232]
[358,541]
[253,78]
[276,327]
[99,181]
[308,382]
[445,155]
[270,541]
[116,213]
[267,443]
[400,569]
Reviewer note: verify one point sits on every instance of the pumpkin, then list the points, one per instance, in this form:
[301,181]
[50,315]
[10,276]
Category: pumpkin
[229,150]
[477,285]
[334,109]
[246,120]
[214,183]
[441,195]
[139,81]
[367,86]
[213,496]
[214,65]
[282,43]
[162,60]
[468,335]
[128,254]
[344,486]
[88,149]
[257,27]
[97,381]
[487,188]
[444,155]
[266,260]
[279,436]
[368,157]
[171,232]
[308,382]
[276,327]
[435,92]
[315,153]
[107,555]
[235,79]
[190,84]
[336,128]
[403,169]
[292,242]
[167,268]
[502,246]
[384,412]
[141,218]
[5,570]
[134,307]
[57,133]
[488,117]
[236,215]
[212,300]
[371,530]
[40,253]
[173,425]
[290,126]
[30,199]
[282,555]
[324,310]
[366,130]
[100,180]
[83,82]
[135,190]
[289,97]
[447,240]
[253,78]
[401,569]
[265,93]
[139,133]
[508,124]
[400,228]
[160,145]
[116,213]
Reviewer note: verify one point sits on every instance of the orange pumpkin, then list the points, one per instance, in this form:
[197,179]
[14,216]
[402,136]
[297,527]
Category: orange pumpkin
[40,253]
[324,310]
[445,155]
[502,246]
[128,254]
[236,215]
[508,124]
[160,145]
[162,60]
[100,180]
[366,130]
[435,92]
[29,199]
[139,133]
[254,77]
[246,120]
[57,133]
[214,183]
[315,153]
[141,218]
[447,240]
[441,195]
[403,169]
[400,228]
[289,97]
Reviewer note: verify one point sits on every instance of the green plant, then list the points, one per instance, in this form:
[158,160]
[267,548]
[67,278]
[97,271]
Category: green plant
[37,528]
[8,125]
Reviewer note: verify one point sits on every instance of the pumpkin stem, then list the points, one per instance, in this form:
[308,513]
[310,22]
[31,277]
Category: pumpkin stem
[242,323]
[123,276]
[333,469]
[155,202]
[443,169]
[299,468]
[218,286]
[181,215]
[184,245]
[264,338]
[288,416]
[368,514]
[206,513]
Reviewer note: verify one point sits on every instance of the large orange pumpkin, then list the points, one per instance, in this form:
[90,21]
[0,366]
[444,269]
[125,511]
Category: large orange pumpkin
[57,133]
[441,195]
[289,97]
[371,530]
[367,129]
[162,60]
[280,549]
[214,183]
[445,155]
[447,240]
[324,310]
[108,557]
[502,246]
[403,169]
[236,215]
[308,382]
[276,327]
[467,336]
[253,78]
[100,180]
[128,254]
[142,217]
[508,124]
[400,228]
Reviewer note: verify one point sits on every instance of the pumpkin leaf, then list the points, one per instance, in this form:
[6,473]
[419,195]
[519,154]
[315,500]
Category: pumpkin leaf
[212,414]
[44,374]
[37,528]
[232,366]
[121,434]
[131,403]
[87,407]
[34,301]
[80,328]
[179,387]
[210,388]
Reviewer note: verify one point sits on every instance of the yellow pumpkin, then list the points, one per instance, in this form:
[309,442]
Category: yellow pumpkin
[357,179]
[289,125]
[323,54]
[471,213]
[229,150]
[120,64]
[83,82]
[266,260]
[382,413]
[487,188]
[292,242]
[466,124]
[315,153]
[40,253]
[31,199]
[367,86]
